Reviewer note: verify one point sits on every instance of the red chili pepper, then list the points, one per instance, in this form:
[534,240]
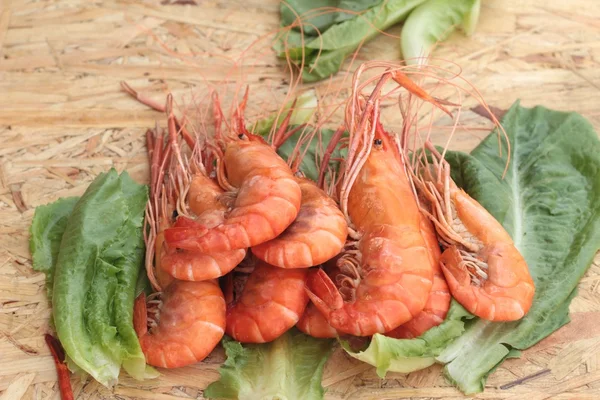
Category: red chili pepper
[58,353]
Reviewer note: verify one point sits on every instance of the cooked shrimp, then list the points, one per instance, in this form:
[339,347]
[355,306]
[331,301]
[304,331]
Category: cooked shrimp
[169,191]
[264,195]
[186,319]
[317,234]
[389,274]
[185,327]
[486,273]
[271,302]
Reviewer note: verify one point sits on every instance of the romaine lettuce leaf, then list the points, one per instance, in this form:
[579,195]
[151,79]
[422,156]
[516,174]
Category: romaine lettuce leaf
[313,14]
[432,22]
[46,231]
[96,270]
[325,54]
[408,355]
[549,202]
[289,368]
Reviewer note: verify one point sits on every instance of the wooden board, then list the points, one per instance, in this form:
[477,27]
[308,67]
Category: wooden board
[64,119]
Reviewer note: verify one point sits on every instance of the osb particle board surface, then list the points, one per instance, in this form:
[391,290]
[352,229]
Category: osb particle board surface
[64,119]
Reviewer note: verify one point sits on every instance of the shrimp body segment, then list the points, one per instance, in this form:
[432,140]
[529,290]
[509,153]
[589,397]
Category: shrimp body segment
[486,273]
[188,325]
[438,302]
[271,302]
[318,233]
[389,282]
[314,324]
[267,201]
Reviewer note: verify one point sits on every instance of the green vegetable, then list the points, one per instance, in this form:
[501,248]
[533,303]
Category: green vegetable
[550,204]
[432,22]
[321,14]
[341,39]
[354,7]
[408,355]
[291,367]
[46,231]
[100,256]
[313,14]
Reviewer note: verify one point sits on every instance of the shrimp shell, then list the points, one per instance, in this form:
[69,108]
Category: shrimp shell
[272,301]
[191,322]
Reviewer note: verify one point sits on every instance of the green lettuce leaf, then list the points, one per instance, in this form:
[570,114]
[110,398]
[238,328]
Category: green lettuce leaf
[432,22]
[325,54]
[289,368]
[408,355]
[353,7]
[46,231]
[313,14]
[549,202]
[97,268]
[321,14]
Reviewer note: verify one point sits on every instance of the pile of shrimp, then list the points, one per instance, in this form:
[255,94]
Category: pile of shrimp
[240,243]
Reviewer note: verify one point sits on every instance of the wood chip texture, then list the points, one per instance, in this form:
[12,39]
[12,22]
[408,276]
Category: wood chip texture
[64,119]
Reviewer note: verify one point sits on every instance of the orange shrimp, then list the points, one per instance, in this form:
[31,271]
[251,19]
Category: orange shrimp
[389,273]
[271,302]
[203,200]
[202,195]
[186,327]
[486,273]
[186,319]
[265,196]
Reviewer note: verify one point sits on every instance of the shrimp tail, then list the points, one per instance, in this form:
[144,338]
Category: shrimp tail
[322,292]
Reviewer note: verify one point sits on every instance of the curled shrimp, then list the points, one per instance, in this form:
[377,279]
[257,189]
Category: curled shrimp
[486,273]
[317,234]
[183,321]
[388,273]
[270,303]
[203,196]
[188,184]
[264,195]
[484,270]
[187,321]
